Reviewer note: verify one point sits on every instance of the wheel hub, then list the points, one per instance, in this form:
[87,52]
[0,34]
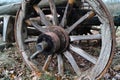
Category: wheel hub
[56,40]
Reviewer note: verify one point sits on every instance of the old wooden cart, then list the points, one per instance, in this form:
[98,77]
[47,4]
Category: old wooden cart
[62,37]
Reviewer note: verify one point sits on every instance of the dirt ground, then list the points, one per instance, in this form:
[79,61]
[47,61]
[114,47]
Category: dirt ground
[13,68]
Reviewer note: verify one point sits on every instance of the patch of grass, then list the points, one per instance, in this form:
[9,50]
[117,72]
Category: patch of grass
[47,77]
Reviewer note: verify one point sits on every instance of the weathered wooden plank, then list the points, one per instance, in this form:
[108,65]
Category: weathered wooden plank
[5,2]
[12,8]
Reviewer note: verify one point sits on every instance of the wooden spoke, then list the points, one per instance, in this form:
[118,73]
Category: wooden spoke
[95,28]
[30,40]
[60,65]
[54,12]
[72,62]
[38,27]
[86,16]
[46,65]
[64,19]
[42,16]
[35,19]
[28,62]
[35,54]
[83,54]
[85,37]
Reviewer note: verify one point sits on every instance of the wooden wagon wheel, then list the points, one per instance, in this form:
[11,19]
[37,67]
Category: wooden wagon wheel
[58,43]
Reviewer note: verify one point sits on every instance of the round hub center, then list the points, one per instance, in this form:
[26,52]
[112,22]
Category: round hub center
[56,40]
